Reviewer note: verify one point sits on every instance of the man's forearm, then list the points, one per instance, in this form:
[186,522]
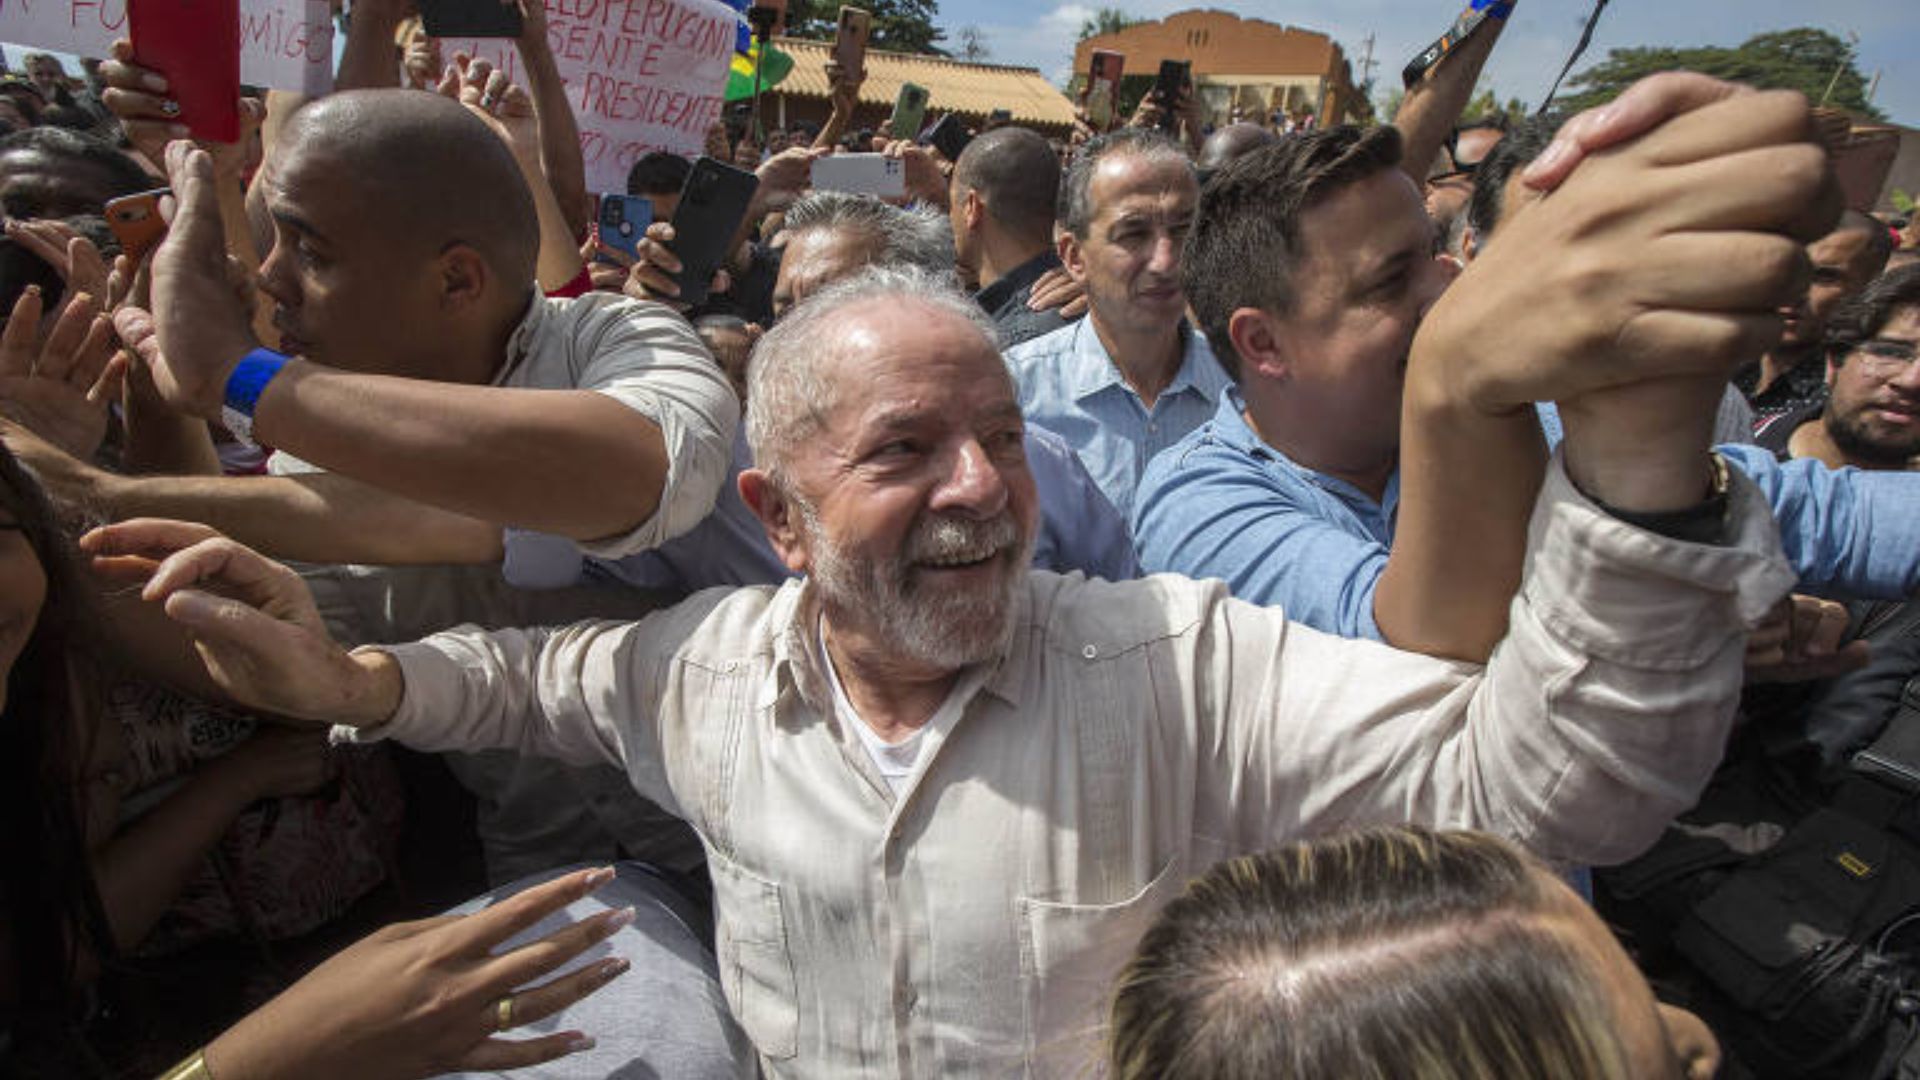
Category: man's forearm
[370,60]
[560,155]
[574,463]
[1468,480]
[1433,105]
[315,518]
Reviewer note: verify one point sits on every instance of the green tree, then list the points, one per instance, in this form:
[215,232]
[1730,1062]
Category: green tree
[1804,59]
[1107,21]
[898,25]
[1485,103]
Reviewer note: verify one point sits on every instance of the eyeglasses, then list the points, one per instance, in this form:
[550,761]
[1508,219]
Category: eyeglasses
[1461,170]
[1884,357]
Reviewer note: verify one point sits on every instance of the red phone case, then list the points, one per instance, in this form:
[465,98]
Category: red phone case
[195,44]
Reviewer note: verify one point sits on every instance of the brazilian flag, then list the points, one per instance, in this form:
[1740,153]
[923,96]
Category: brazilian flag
[774,66]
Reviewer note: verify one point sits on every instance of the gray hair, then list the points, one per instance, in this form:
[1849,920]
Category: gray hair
[787,399]
[1076,195]
[921,238]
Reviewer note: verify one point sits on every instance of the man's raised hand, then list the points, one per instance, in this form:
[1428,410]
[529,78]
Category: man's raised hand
[252,621]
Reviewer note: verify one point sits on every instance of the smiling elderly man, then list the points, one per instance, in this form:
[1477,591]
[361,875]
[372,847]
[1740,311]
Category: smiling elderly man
[941,793]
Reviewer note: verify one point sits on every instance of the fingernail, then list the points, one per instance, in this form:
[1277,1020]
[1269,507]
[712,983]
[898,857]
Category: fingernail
[154,82]
[598,877]
[610,969]
[617,918]
[580,1043]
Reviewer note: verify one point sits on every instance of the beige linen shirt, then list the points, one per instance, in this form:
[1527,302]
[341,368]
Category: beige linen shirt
[1132,735]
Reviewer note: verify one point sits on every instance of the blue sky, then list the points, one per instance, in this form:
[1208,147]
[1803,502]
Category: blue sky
[1041,33]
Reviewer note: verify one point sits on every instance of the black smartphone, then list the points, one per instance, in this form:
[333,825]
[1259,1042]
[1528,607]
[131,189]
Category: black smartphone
[1174,75]
[949,136]
[470,18]
[712,202]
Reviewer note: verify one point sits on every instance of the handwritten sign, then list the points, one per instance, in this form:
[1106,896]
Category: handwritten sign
[642,75]
[284,44]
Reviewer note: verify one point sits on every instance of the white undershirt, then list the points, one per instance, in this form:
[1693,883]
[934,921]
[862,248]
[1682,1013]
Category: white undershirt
[897,761]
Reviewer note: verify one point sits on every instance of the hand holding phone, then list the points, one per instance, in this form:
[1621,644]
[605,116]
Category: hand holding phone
[195,45]
[850,41]
[713,202]
[623,219]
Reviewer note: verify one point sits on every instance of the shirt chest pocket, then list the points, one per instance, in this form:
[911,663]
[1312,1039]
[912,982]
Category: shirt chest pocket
[1069,957]
[756,965]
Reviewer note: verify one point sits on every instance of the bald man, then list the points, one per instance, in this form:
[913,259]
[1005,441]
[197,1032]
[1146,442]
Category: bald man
[412,344]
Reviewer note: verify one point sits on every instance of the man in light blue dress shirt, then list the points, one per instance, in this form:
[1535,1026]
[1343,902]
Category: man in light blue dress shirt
[1132,377]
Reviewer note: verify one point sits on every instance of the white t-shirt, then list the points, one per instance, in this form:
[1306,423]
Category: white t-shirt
[897,761]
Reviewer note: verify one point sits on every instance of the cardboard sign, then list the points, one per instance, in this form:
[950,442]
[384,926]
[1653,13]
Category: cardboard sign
[642,75]
[284,44]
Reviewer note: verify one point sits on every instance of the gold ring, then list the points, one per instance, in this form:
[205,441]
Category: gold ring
[503,1013]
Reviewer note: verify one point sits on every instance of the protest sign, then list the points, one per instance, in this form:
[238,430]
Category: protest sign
[284,44]
[642,75]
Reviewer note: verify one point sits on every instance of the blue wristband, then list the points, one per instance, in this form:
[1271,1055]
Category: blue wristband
[250,378]
[1495,9]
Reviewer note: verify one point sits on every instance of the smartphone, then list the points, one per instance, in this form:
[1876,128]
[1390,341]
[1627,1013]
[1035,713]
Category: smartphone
[712,203]
[1174,75]
[950,137]
[623,220]
[861,174]
[850,40]
[909,111]
[469,18]
[136,222]
[196,45]
[1103,86]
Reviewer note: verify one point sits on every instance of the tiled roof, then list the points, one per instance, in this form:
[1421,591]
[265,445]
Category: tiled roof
[952,86]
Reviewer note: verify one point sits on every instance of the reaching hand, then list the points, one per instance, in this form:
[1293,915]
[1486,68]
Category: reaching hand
[71,255]
[1800,640]
[59,389]
[651,275]
[422,63]
[490,95]
[423,998]
[1057,289]
[251,620]
[925,181]
[200,311]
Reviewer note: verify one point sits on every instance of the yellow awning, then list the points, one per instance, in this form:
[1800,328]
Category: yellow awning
[952,86]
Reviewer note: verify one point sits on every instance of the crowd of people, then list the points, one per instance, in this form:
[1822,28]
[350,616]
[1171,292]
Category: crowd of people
[1166,602]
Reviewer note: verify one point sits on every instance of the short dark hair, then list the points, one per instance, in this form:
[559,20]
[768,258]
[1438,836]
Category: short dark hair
[1860,318]
[1247,228]
[1526,141]
[1392,951]
[1018,175]
[1076,186]
[124,176]
[658,173]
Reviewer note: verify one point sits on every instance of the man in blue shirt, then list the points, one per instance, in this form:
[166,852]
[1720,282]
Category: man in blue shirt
[1292,492]
[1131,378]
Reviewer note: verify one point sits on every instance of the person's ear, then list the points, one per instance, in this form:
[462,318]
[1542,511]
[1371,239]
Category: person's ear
[464,275]
[1469,245]
[1072,256]
[1259,343]
[778,516]
[1692,1041]
[974,210]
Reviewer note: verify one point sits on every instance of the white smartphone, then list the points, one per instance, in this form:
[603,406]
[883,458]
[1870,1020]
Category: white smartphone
[862,174]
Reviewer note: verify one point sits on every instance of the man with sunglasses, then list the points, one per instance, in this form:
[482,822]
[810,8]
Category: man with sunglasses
[1449,183]
[1871,418]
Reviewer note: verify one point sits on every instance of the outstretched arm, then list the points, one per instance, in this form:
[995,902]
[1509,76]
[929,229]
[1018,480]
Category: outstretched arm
[1433,105]
[586,464]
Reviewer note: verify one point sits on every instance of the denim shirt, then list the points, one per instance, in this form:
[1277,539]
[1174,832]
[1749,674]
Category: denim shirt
[1069,386]
[1223,504]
